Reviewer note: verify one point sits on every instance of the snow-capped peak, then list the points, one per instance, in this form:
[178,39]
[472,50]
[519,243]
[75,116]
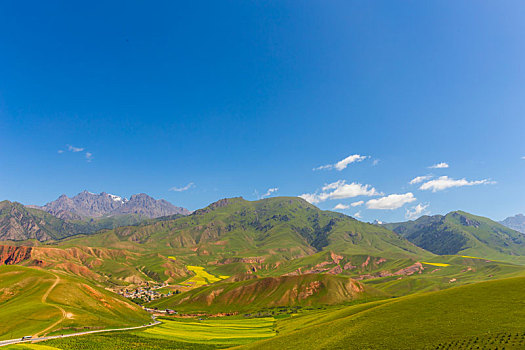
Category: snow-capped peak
[117,198]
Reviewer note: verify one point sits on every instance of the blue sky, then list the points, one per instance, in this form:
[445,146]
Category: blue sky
[234,98]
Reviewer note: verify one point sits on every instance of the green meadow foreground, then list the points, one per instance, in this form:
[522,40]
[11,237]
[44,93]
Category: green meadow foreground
[487,315]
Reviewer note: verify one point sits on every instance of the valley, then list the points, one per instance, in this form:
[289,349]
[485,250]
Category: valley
[275,271]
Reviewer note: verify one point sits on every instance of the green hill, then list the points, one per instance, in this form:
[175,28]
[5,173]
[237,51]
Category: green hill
[259,293]
[33,301]
[20,223]
[231,237]
[288,226]
[463,234]
[483,315]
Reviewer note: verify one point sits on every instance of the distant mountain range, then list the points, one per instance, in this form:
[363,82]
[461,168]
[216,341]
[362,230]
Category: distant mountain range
[91,205]
[84,213]
[516,222]
[459,232]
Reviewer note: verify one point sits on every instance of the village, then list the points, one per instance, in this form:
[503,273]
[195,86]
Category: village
[147,292]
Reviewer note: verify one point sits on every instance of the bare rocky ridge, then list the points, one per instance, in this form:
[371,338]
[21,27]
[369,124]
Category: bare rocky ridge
[11,255]
[91,205]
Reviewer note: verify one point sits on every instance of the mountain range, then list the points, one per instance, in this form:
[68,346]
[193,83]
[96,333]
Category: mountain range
[91,205]
[462,233]
[84,213]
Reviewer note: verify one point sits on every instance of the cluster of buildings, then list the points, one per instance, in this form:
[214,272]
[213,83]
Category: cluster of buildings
[146,293]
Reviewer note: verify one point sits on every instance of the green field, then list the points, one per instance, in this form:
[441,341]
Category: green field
[201,277]
[172,334]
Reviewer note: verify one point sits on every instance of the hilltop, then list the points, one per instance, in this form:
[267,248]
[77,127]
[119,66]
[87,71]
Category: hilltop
[462,233]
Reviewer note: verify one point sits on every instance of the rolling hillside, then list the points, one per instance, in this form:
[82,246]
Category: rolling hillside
[482,315]
[259,293]
[463,234]
[37,302]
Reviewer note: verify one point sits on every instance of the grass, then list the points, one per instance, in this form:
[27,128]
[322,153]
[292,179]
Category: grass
[214,331]
[172,334]
[111,341]
[259,293]
[485,310]
[31,302]
[435,276]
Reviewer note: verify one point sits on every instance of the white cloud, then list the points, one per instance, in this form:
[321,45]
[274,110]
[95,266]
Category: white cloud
[358,215]
[341,206]
[391,202]
[444,182]
[342,164]
[375,162]
[419,179]
[340,190]
[441,165]
[182,189]
[74,149]
[523,157]
[88,155]
[270,191]
[356,204]
[310,197]
[415,212]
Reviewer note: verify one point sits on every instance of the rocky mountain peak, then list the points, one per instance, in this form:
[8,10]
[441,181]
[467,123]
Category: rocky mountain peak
[516,222]
[87,204]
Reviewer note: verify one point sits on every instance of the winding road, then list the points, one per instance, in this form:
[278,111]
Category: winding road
[44,301]
[40,336]
[19,340]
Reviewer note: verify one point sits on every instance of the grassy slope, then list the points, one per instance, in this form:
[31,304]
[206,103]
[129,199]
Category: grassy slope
[464,234]
[417,321]
[28,305]
[259,293]
[460,271]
